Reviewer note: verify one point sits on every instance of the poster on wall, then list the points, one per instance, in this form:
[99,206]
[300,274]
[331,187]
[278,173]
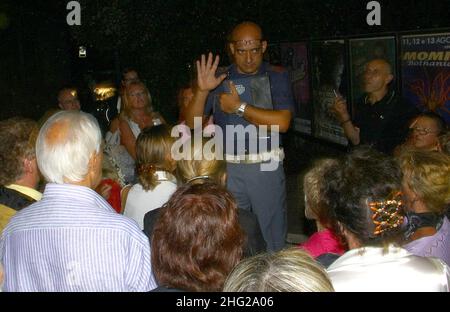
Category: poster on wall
[426,72]
[328,78]
[294,57]
[364,50]
[273,54]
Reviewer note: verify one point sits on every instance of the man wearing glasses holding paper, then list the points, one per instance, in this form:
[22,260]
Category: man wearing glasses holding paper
[261,191]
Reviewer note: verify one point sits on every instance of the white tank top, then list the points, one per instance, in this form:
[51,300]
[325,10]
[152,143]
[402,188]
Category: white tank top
[134,127]
[139,201]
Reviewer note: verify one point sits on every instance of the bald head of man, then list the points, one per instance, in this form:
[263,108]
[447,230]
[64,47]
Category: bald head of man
[247,47]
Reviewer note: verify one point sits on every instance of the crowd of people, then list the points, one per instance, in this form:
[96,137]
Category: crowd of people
[85,211]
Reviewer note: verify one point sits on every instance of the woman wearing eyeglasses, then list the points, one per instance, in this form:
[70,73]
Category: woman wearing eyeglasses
[425,131]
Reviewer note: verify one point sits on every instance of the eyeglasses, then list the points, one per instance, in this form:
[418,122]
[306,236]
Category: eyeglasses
[422,131]
[246,42]
[252,45]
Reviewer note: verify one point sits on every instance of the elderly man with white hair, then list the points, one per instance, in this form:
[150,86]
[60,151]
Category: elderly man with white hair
[72,240]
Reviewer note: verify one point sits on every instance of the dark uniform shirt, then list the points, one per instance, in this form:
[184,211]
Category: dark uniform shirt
[282,99]
[384,124]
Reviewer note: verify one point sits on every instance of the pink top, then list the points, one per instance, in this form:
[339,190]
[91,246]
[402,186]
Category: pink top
[322,242]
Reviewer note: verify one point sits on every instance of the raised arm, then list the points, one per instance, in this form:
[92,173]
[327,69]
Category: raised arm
[339,109]
[206,81]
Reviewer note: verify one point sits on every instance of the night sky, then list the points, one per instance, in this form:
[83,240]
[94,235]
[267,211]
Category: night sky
[39,51]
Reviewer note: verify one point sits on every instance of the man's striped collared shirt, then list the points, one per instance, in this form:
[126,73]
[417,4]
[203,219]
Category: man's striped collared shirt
[72,240]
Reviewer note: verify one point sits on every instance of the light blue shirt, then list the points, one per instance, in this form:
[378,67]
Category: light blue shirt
[72,240]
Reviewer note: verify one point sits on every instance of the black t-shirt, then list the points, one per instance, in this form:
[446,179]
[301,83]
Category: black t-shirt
[384,124]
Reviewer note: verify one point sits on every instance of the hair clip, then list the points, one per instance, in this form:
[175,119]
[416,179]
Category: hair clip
[146,169]
[203,177]
[387,214]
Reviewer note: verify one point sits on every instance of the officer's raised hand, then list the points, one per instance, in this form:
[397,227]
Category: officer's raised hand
[206,73]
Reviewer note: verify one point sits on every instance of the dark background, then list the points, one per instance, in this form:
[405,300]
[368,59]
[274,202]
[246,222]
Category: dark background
[39,51]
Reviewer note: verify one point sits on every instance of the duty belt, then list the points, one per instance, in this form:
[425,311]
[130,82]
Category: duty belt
[276,154]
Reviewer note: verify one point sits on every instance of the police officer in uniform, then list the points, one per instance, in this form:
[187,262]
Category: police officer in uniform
[258,189]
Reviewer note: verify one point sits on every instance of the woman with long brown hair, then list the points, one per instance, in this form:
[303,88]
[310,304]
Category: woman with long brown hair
[154,166]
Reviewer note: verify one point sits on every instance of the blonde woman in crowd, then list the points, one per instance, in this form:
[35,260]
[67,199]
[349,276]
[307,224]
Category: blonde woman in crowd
[137,113]
[288,270]
[426,189]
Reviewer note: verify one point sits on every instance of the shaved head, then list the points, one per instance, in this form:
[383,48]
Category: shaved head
[383,65]
[247,47]
[244,30]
